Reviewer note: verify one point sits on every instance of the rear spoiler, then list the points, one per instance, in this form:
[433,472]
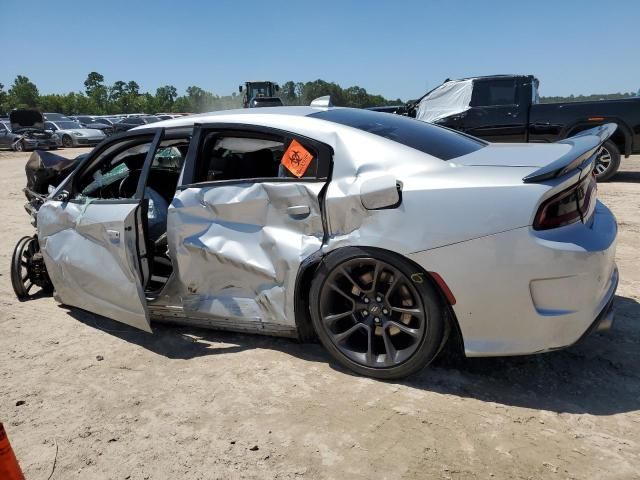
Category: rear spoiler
[584,148]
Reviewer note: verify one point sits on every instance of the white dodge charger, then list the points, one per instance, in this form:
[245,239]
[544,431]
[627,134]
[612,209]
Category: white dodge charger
[379,234]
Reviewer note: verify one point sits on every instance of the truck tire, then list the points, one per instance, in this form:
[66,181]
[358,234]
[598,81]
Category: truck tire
[608,161]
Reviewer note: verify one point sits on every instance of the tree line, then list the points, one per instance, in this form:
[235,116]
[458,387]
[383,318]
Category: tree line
[98,98]
[588,98]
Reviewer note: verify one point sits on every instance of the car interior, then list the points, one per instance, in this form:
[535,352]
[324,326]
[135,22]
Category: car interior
[115,174]
[238,157]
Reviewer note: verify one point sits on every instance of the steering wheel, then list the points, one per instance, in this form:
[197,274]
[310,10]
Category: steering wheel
[128,182]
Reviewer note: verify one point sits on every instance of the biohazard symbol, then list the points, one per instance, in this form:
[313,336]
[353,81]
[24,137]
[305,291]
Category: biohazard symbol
[297,159]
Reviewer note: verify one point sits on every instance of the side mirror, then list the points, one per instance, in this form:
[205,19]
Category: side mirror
[277,88]
[240,88]
[380,192]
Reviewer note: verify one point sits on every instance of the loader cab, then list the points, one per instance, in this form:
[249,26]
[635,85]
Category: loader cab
[260,91]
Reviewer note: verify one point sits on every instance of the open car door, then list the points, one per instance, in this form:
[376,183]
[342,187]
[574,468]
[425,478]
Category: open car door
[94,247]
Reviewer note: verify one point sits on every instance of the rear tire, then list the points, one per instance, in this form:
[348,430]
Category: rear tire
[384,320]
[608,161]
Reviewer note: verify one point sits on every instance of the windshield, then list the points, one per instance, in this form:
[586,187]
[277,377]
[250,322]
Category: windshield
[437,141]
[68,125]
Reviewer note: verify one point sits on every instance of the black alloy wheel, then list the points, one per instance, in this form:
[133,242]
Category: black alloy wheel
[376,313]
[29,277]
[607,162]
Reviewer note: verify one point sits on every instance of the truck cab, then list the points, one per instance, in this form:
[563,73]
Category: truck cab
[507,108]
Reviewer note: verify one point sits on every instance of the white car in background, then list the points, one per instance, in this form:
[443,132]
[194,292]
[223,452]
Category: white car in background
[73,134]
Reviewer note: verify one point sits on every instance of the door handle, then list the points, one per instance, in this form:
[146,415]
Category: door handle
[114,236]
[299,210]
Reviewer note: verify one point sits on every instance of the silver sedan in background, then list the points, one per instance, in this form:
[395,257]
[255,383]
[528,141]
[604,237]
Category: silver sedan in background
[73,134]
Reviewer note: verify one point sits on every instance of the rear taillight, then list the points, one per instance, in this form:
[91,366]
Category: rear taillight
[571,205]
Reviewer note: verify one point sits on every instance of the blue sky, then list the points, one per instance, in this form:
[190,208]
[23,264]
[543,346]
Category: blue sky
[395,48]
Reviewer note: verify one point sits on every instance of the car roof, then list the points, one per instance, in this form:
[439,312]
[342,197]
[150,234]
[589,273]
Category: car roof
[212,117]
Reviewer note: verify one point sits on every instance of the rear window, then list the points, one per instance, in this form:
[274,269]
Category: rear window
[439,142]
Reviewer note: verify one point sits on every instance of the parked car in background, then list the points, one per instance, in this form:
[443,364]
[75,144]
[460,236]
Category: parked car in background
[95,123]
[72,134]
[98,125]
[25,130]
[83,119]
[506,108]
[107,120]
[55,116]
[128,123]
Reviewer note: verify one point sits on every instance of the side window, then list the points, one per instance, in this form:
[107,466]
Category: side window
[49,126]
[116,171]
[3,130]
[251,156]
[114,174]
[488,93]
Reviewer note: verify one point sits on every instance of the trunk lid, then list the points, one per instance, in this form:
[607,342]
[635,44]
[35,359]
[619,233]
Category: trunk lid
[545,161]
[533,155]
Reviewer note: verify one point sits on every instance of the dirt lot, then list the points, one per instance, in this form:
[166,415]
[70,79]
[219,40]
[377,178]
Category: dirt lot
[115,403]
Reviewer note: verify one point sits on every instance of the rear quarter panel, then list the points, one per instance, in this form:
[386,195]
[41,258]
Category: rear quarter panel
[442,202]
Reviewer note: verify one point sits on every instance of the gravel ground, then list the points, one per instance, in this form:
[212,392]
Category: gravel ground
[104,401]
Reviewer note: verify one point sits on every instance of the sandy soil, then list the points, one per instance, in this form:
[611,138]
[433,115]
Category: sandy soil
[115,403]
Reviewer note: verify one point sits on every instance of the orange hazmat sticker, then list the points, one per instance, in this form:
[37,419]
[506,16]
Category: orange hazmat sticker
[297,159]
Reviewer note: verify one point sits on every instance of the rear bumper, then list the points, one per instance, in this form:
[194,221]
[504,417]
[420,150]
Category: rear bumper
[521,291]
[606,317]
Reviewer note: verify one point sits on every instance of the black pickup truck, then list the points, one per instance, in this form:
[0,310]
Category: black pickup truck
[506,108]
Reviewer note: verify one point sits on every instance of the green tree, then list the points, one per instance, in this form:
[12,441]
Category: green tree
[165,98]
[94,81]
[288,93]
[97,92]
[132,88]
[3,100]
[23,93]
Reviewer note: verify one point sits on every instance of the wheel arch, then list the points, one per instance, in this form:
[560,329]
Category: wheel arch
[306,274]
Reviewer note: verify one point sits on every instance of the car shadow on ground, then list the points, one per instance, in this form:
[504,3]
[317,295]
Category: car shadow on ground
[598,376]
[626,177]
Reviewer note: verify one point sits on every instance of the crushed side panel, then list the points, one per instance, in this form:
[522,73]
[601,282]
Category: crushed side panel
[237,250]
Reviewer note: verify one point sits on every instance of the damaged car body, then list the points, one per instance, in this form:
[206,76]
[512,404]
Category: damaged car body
[26,131]
[374,232]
